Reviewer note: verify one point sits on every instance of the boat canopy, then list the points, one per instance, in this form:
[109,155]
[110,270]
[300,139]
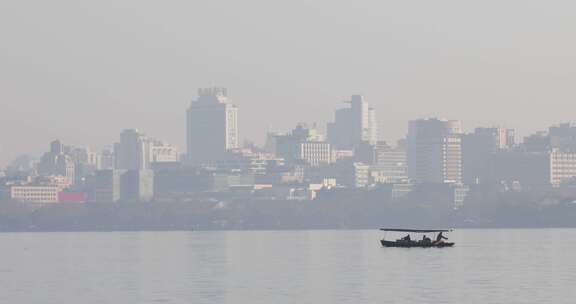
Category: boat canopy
[416,230]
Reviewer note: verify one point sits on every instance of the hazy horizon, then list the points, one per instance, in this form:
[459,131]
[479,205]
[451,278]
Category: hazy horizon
[82,73]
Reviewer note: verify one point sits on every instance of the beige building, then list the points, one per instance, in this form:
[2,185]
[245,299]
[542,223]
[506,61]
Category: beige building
[35,194]
[562,166]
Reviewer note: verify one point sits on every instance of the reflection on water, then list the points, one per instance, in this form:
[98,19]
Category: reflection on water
[486,266]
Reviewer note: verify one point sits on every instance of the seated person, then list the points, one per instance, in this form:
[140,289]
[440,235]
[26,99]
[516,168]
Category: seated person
[426,240]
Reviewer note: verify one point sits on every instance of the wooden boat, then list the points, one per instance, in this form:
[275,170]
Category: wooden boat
[422,243]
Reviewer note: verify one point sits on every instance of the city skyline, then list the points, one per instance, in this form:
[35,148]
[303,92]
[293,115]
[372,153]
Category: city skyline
[260,140]
[116,70]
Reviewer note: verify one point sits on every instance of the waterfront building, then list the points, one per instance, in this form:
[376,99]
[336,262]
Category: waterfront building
[34,193]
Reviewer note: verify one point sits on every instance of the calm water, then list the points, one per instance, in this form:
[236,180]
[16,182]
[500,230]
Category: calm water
[486,266]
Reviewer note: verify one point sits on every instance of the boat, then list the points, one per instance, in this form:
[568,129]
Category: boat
[408,242]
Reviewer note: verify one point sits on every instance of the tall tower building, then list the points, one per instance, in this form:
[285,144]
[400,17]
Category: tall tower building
[57,162]
[478,151]
[434,151]
[212,126]
[133,151]
[354,125]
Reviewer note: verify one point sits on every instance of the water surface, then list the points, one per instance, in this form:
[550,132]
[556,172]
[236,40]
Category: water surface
[486,266]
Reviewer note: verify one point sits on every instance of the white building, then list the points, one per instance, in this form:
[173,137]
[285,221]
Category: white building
[562,166]
[358,176]
[35,194]
[315,153]
[434,151]
[161,152]
[212,126]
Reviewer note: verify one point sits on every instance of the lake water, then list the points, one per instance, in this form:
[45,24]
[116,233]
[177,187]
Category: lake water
[486,266]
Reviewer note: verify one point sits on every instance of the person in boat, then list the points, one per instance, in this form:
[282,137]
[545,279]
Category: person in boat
[406,238]
[426,240]
[440,238]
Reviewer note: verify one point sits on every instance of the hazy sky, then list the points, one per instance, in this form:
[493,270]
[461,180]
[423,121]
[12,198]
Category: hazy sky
[83,70]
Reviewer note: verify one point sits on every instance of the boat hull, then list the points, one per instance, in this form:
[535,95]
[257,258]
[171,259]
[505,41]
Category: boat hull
[405,244]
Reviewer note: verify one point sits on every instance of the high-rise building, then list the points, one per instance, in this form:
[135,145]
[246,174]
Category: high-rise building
[106,159]
[57,162]
[434,151]
[212,126]
[390,163]
[133,151]
[85,162]
[353,125]
[478,150]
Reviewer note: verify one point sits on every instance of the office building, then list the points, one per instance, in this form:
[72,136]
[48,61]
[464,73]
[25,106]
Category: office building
[434,151]
[390,164]
[353,125]
[132,152]
[478,149]
[212,126]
